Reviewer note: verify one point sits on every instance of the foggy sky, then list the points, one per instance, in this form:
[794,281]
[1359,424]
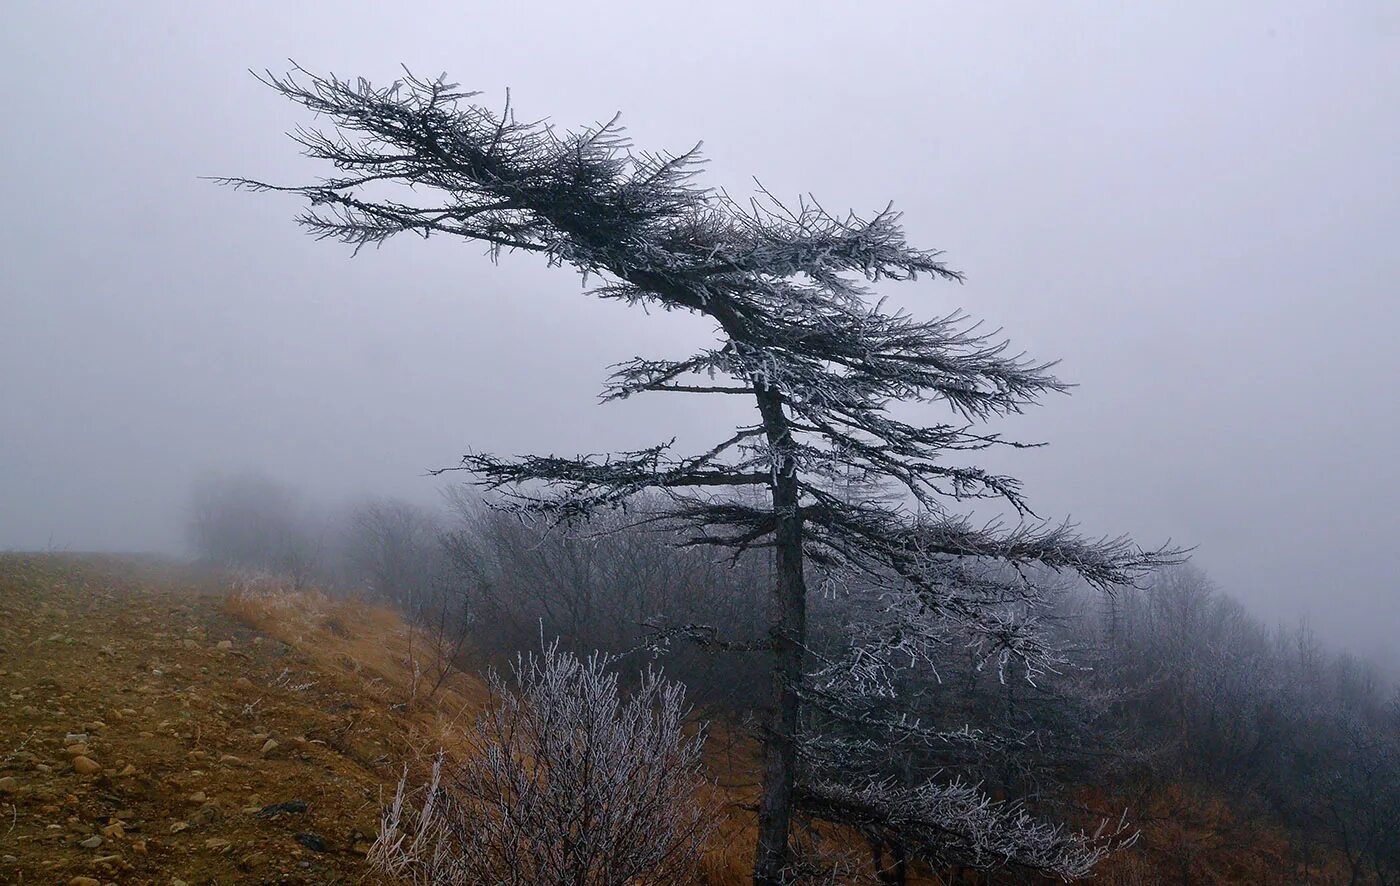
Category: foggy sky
[1195,207]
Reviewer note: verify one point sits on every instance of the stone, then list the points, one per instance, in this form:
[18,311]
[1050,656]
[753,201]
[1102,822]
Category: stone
[206,814]
[9,784]
[84,881]
[224,644]
[114,831]
[86,765]
[314,842]
[91,842]
[268,747]
[290,806]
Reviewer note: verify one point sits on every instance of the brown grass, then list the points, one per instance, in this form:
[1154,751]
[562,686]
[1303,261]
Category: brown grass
[373,645]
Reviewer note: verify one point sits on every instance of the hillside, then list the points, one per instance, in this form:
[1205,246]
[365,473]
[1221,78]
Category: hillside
[157,726]
[160,727]
[146,734]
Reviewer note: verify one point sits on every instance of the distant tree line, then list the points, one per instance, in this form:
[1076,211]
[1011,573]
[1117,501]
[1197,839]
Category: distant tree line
[1240,752]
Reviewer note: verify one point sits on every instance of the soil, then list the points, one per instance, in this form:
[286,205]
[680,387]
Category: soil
[149,737]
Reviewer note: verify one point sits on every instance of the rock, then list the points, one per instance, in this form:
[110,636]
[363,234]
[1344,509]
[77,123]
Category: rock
[91,842]
[314,842]
[217,843]
[84,881]
[9,784]
[224,644]
[209,812]
[290,806]
[230,760]
[129,770]
[76,750]
[86,765]
[268,747]
[198,797]
[179,826]
[114,831]
[75,738]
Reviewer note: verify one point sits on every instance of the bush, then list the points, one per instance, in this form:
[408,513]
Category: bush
[568,781]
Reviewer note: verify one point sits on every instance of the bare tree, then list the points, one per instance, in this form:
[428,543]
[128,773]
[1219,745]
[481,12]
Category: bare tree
[567,782]
[797,334]
[392,548]
[253,523]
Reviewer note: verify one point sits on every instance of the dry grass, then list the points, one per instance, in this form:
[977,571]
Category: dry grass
[372,645]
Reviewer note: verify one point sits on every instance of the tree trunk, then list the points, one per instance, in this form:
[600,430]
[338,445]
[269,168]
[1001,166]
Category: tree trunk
[788,632]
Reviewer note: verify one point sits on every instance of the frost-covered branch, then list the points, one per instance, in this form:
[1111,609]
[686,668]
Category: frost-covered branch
[955,823]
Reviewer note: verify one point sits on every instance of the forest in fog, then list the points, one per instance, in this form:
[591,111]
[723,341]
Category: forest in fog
[782,444]
[1243,751]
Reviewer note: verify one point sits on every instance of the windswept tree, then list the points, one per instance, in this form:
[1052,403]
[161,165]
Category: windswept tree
[825,476]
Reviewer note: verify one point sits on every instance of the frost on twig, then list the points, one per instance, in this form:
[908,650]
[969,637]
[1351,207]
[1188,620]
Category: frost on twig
[568,780]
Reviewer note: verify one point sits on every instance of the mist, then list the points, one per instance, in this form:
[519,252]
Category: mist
[1195,211]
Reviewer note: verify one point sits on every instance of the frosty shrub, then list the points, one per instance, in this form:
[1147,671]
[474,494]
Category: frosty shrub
[569,780]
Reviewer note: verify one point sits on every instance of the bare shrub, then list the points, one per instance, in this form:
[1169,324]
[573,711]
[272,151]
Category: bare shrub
[568,780]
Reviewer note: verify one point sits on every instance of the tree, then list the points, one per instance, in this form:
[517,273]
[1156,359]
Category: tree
[393,548]
[251,522]
[567,782]
[787,290]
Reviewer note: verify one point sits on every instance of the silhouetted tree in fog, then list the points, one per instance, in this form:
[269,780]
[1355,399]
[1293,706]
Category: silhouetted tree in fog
[392,548]
[799,338]
[252,523]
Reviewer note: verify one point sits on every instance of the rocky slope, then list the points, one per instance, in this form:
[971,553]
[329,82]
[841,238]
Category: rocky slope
[148,736]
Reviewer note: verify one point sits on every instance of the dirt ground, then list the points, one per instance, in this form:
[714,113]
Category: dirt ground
[149,737]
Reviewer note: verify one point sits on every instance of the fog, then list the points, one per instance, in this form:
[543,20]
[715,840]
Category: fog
[1195,209]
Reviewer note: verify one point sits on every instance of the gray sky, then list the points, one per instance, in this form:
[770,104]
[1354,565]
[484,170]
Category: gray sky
[1194,205]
